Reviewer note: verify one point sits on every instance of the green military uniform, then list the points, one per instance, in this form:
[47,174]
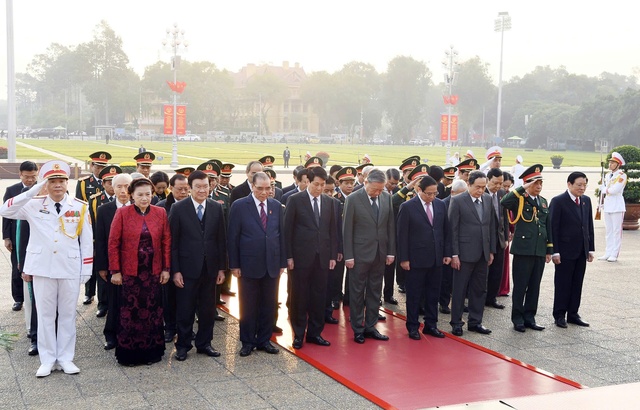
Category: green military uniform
[531,243]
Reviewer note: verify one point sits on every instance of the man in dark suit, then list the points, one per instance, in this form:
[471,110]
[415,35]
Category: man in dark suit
[293,185]
[572,228]
[334,279]
[424,245]
[369,244]
[276,193]
[198,261]
[302,180]
[244,189]
[457,187]
[473,244]
[495,191]
[257,257]
[312,249]
[28,177]
[104,217]
[391,187]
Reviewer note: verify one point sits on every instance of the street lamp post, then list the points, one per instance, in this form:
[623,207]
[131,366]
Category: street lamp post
[501,24]
[175,39]
[449,64]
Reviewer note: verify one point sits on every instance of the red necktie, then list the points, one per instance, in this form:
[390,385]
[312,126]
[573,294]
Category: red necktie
[577,201]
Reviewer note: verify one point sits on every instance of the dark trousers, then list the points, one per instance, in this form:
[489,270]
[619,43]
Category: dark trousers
[17,291]
[113,313]
[308,297]
[33,320]
[401,275]
[334,284]
[226,285]
[423,284]
[197,293]
[258,303]
[169,306]
[568,279]
[470,281]
[389,274]
[365,284]
[90,289]
[527,274]
[445,285]
[494,276]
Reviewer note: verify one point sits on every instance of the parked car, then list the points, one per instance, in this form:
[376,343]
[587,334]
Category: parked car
[415,142]
[189,137]
[43,132]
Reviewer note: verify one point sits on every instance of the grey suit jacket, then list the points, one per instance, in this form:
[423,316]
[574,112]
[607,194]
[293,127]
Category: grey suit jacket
[472,239]
[363,237]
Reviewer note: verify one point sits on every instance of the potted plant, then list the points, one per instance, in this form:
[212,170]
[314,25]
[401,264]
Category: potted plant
[556,160]
[631,193]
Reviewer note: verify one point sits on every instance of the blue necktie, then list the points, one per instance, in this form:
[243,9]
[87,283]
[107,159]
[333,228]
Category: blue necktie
[200,212]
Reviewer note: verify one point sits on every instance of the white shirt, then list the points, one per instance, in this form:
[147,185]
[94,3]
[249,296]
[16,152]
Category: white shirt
[257,202]
[425,205]
[196,205]
[311,197]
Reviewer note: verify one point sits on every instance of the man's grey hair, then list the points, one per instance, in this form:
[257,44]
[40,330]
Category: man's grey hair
[136,175]
[458,186]
[120,178]
[376,175]
[251,164]
[260,176]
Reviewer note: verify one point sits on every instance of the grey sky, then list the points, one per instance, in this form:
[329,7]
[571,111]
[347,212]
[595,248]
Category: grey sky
[324,35]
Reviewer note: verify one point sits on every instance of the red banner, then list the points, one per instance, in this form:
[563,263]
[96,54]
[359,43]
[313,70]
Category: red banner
[444,128]
[181,119]
[168,119]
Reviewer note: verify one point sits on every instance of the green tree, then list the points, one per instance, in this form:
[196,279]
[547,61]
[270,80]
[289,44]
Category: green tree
[477,96]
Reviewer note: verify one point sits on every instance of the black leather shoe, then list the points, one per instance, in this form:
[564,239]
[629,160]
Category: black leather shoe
[109,345]
[101,313]
[391,301]
[246,351]
[87,300]
[227,292]
[479,329]
[221,302]
[414,334]
[519,328]
[181,354]
[297,343]
[277,330]
[331,320]
[433,331]
[209,351]
[445,310]
[168,336]
[16,306]
[268,348]
[534,326]
[33,349]
[381,317]
[374,334]
[457,331]
[219,318]
[359,338]
[402,289]
[562,322]
[577,321]
[495,304]
[318,340]
[335,305]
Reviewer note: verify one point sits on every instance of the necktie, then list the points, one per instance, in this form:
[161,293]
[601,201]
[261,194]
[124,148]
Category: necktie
[316,210]
[200,212]
[429,214]
[479,209]
[58,206]
[111,198]
[263,216]
[577,201]
[374,206]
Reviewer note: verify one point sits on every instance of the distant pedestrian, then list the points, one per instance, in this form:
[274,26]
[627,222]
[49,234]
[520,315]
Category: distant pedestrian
[141,149]
[286,154]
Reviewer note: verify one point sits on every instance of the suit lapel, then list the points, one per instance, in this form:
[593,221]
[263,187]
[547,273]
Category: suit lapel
[420,209]
[254,211]
[576,209]
[472,206]
[367,204]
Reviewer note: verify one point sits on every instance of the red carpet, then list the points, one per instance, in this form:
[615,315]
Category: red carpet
[408,374]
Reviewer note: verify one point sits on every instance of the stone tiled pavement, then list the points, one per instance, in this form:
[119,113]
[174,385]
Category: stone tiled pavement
[606,353]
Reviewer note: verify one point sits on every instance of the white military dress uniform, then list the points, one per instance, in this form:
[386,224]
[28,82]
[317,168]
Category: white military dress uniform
[59,257]
[613,208]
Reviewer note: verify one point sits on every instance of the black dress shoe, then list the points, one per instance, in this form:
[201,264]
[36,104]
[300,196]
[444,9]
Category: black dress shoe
[479,329]
[402,289]
[433,331]
[101,313]
[381,317]
[561,322]
[219,318]
[17,306]
[359,338]
[209,351]
[168,336]
[495,304]
[331,320]
[519,328]
[181,354]
[391,301]
[457,331]
[374,334]
[277,330]
[534,326]
[297,343]
[227,292]
[577,321]
[221,302]
[109,345]
[33,349]
[268,348]
[414,334]
[335,304]
[318,340]
[445,310]
[246,351]
[87,300]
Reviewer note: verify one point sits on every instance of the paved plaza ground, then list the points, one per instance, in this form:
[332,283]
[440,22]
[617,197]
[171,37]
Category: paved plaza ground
[606,353]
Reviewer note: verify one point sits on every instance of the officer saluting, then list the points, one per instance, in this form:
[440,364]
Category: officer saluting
[59,258]
[92,184]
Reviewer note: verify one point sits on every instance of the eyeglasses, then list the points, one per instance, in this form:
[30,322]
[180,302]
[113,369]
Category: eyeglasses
[429,193]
